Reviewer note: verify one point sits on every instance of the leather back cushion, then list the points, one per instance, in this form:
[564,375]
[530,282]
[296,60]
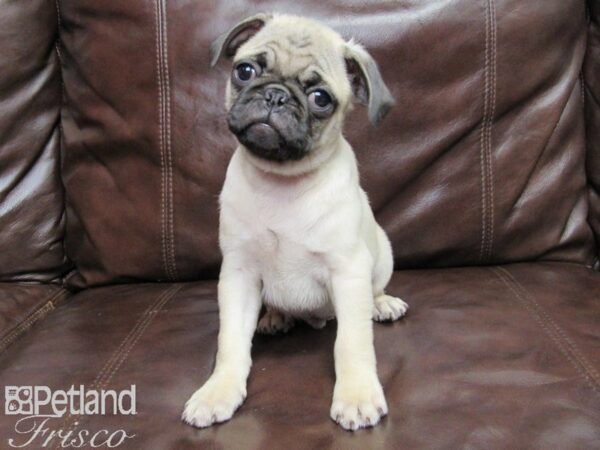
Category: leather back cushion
[481,161]
[592,109]
[31,197]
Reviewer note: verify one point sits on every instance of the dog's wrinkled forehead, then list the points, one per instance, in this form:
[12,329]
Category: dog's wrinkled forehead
[295,47]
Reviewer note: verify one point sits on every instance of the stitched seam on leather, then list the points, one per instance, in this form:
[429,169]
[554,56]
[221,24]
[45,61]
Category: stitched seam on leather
[167,209]
[582,83]
[578,354]
[490,165]
[25,325]
[122,352]
[161,132]
[485,133]
[57,45]
[135,336]
[566,346]
[482,140]
[30,320]
[169,150]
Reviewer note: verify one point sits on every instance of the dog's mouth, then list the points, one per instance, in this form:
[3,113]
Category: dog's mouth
[265,141]
[262,135]
[277,133]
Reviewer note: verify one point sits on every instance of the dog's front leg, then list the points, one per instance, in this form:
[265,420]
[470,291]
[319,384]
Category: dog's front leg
[225,390]
[358,399]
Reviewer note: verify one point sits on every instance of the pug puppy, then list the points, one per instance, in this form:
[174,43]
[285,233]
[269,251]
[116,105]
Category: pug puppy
[296,232]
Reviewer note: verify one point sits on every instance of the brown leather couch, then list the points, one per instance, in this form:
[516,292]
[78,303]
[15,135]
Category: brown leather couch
[486,176]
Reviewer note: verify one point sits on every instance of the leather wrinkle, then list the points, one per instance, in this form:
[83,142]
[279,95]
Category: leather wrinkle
[590,95]
[26,170]
[412,177]
[539,159]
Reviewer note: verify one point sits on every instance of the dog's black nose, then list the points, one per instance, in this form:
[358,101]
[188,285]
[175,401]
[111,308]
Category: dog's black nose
[276,96]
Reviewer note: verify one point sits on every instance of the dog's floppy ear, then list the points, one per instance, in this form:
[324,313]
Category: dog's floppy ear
[228,43]
[367,85]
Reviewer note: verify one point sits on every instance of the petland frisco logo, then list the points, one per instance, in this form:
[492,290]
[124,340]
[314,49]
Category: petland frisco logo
[43,410]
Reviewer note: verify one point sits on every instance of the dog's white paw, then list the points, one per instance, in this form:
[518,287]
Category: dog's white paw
[274,322]
[388,308]
[214,402]
[358,405]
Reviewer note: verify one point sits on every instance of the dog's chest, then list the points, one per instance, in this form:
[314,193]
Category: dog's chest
[292,268]
[287,233]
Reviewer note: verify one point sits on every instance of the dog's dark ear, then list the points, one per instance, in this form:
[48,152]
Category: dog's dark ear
[367,85]
[228,43]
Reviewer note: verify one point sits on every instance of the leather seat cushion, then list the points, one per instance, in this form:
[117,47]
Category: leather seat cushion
[498,357]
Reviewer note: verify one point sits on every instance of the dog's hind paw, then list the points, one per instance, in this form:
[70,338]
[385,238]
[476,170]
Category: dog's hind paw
[387,308]
[274,322]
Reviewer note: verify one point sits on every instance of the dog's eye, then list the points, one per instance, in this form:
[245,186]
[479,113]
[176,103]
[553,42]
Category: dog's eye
[320,98]
[245,72]
[320,102]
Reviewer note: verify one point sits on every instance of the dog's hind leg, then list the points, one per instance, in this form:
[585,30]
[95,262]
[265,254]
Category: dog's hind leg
[385,307]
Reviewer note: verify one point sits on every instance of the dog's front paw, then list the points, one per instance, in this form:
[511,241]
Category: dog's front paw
[358,405]
[214,402]
[388,308]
